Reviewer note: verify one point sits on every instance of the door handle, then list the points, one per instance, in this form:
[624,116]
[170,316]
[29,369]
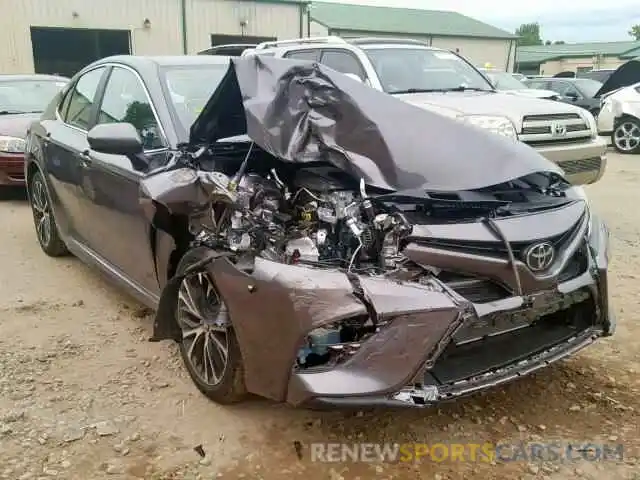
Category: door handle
[85,159]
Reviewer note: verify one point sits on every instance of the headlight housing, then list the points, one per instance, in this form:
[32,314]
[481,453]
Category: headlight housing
[496,124]
[12,144]
[591,121]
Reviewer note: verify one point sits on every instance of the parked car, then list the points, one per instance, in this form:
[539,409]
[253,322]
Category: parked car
[22,99]
[444,82]
[620,118]
[229,50]
[507,83]
[577,91]
[600,75]
[315,241]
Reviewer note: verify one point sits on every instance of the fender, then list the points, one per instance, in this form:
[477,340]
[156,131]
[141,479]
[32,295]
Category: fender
[164,325]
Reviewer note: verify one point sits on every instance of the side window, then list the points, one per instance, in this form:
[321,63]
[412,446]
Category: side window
[82,98]
[343,61]
[64,104]
[564,89]
[538,84]
[125,100]
[310,55]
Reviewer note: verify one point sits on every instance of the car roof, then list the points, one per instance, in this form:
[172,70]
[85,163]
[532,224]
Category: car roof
[139,61]
[31,77]
[362,43]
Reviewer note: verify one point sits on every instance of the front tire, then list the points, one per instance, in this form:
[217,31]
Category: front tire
[208,344]
[626,136]
[43,219]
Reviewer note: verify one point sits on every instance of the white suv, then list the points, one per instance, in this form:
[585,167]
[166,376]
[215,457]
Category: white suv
[446,83]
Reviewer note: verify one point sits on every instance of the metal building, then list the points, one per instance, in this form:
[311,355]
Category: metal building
[479,42]
[61,36]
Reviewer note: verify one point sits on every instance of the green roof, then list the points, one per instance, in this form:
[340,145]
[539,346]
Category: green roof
[544,53]
[364,18]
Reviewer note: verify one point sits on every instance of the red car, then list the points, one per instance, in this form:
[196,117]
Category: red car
[23,98]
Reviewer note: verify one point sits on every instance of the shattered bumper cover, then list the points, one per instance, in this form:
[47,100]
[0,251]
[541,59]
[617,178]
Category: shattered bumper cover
[418,357]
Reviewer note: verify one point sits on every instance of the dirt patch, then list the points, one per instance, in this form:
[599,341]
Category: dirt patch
[84,395]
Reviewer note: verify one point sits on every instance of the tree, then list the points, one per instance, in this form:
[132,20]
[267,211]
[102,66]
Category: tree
[635,32]
[529,34]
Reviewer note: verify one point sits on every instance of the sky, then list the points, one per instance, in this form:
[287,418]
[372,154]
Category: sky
[584,21]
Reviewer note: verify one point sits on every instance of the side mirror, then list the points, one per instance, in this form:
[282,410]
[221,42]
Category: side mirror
[572,96]
[115,139]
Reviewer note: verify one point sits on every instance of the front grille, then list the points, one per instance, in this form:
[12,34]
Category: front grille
[495,249]
[538,130]
[585,165]
[483,345]
[551,117]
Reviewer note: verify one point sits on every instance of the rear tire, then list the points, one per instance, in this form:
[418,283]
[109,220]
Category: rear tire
[626,135]
[43,218]
[208,346]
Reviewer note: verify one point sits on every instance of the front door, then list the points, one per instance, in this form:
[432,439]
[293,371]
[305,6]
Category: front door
[123,235]
[66,146]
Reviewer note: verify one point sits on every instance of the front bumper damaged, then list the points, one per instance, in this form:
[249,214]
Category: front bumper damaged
[418,358]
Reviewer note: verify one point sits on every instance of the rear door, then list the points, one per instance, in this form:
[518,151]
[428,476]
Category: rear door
[65,147]
[121,234]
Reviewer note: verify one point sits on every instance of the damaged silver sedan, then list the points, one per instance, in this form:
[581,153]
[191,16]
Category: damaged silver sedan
[306,238]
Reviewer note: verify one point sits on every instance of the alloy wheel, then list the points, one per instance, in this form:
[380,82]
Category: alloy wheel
[204,321]
[41,212]
[627,136]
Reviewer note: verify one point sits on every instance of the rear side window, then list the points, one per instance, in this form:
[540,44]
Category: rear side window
[82,98]
[343,61]
[310,55]
[542,85]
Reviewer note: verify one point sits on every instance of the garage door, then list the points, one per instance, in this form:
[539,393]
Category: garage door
[64,51]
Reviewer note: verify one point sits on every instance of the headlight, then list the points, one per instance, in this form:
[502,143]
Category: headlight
[500,125]
[11,144]
[591,121]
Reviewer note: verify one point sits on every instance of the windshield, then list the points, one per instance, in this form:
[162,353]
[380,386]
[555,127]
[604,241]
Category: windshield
[588,87]
[504,81]
[190,87]
[28,96]
[406,69]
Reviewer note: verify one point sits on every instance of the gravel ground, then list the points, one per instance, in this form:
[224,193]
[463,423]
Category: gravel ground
[84,396]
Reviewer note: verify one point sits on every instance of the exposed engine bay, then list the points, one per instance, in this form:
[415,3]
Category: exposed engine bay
[318,216]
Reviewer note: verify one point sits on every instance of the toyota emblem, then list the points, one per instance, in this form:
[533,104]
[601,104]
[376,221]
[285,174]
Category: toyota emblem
[558,129]
[539,256]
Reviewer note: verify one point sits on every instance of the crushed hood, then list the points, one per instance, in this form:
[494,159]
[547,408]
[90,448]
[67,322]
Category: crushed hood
[303,112]
[625,75]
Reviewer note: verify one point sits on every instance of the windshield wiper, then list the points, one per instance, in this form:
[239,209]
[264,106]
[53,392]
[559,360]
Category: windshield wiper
[17,112]
[441,90]
[463,88]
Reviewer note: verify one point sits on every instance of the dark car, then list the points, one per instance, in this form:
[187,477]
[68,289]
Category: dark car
[312,240]
[577,91]
[22,99]
[601,75]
